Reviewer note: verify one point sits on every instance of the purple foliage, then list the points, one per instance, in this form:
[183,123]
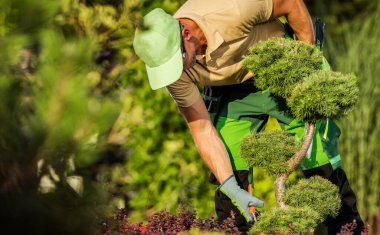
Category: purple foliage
[349,229]
[165,223]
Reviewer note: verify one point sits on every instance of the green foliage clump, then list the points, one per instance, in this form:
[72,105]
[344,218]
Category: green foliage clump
[317,193]
[300,220]
[111,24]
[279,64]
[324,94]
[259,150]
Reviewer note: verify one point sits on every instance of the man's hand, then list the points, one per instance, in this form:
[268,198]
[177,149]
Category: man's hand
[239,197]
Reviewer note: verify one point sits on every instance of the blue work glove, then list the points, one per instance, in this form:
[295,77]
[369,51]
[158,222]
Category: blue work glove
[239,197]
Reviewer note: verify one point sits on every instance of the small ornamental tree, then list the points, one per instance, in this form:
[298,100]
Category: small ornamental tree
[293,70]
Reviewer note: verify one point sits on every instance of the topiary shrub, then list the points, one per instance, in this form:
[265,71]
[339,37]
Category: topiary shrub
[256,148]
[324,94]
[292,220]
[293,70]
[279,64]
[317,193]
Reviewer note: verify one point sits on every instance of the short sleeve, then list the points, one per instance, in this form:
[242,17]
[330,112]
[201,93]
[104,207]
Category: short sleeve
[254,12]
[184,91]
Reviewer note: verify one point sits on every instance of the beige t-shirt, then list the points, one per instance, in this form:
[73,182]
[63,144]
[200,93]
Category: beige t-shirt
[231,27]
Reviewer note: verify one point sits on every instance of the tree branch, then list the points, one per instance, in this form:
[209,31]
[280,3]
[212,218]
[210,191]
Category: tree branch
[294,162]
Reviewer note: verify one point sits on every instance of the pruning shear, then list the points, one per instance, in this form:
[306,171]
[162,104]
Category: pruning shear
[252,209]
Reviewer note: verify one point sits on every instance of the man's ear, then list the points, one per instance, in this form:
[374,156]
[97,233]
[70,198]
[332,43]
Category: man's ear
[186,34]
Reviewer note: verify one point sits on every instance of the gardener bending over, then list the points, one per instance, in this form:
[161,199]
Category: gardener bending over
[203,44]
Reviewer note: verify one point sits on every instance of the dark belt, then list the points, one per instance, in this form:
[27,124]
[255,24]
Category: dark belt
[214,96]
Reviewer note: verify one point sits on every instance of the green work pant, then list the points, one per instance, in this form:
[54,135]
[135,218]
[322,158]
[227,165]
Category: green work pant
[240,110]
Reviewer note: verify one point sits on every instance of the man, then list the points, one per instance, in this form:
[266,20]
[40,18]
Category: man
[204,44]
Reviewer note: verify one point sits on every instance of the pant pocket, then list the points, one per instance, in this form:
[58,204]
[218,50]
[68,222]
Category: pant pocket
[329,133]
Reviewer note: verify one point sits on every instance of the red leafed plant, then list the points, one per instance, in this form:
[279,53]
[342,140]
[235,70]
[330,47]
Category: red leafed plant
[349,228]
[164,222]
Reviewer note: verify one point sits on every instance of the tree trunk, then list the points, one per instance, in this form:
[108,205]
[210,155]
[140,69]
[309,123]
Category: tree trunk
[293,164]
[279,187]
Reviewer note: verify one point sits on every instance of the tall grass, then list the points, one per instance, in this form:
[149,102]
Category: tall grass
[358,51]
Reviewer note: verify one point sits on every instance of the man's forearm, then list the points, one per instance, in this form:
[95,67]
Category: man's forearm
[211,149]
[298,17]
[207,140]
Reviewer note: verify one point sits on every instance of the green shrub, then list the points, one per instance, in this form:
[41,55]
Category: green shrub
[55,130]
[259,150]
[324,94]
[279,64]
[317,193]
[294,220]
[293,70]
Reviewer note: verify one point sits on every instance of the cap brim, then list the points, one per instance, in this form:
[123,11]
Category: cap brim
[167,73]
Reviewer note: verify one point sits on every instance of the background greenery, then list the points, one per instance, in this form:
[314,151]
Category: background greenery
[352,46]
[77,107]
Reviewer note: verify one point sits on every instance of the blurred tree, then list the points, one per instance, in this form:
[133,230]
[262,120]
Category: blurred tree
[53,128]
